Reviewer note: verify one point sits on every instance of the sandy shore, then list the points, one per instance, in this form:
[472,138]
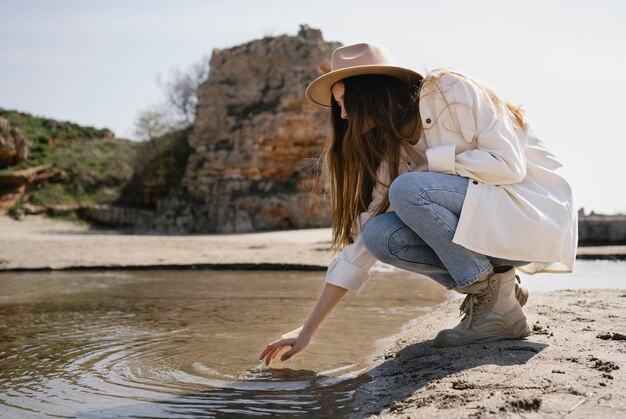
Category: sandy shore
[573,365]
[38,242]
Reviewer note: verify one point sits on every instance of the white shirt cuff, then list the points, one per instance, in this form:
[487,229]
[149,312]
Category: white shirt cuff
[346,275]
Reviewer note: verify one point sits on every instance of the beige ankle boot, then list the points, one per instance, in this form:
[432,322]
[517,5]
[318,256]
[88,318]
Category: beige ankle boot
[492,312]
[521,294]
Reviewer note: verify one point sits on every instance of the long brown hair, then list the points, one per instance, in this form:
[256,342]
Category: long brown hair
[381,109]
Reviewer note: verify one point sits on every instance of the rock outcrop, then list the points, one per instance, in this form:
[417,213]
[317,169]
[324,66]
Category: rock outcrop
[256,141]
[14,147]
[19,183]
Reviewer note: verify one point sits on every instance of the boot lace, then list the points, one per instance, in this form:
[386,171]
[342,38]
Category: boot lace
[467,304]
[467,309]
[474,306]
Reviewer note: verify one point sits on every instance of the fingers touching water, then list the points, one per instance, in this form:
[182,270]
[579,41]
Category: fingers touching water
[295,340]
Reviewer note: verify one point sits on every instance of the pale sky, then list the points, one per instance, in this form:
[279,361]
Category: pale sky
[97,62]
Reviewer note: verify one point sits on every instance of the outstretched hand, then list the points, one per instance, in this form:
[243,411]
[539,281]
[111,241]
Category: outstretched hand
[299,339]
[296,339]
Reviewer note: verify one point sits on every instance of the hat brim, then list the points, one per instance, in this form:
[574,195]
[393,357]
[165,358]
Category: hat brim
[319,90]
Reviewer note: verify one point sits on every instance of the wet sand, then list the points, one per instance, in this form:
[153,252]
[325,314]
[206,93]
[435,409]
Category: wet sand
[572,365]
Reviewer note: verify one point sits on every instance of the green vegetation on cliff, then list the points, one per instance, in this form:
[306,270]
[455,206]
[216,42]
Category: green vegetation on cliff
[100,168]
[44,130]
[97,164]
[97,171]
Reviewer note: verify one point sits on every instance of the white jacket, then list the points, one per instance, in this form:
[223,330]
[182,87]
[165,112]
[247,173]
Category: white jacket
[518,205]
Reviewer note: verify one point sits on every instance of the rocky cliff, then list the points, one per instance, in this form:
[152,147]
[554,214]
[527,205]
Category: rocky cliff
[14,148]
[256,141]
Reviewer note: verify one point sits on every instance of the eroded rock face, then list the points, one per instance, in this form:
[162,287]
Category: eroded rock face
[13,146]
[256,141]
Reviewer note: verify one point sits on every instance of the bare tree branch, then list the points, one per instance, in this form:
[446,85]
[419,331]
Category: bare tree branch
[182,90]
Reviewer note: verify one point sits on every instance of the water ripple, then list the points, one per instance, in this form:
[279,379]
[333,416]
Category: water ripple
[174,344]
[92,365]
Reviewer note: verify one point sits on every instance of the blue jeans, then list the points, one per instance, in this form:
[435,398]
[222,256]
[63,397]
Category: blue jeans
[417,236]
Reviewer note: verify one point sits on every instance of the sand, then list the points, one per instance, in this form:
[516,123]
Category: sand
[38,242]
[573,365]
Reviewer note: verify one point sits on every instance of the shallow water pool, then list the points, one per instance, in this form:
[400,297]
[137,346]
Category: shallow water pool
[186,343]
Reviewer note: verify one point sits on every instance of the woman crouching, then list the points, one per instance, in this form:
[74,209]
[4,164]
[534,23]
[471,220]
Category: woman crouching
[436,175]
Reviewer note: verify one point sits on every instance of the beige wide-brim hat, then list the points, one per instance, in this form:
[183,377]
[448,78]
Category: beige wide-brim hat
[354,60]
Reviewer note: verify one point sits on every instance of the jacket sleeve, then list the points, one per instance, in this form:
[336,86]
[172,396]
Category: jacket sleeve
[498,157]
[351,267]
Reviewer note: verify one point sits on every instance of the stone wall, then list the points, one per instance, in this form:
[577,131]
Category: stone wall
[136,218]
[256,141]
[601,230]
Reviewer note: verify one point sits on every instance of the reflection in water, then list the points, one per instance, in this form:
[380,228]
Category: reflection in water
[167,343]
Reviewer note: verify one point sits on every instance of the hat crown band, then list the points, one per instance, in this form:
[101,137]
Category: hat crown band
[360,55]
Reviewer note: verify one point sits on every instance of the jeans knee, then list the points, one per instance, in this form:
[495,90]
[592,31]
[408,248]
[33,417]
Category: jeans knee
[373,238]
[376,232]
[404,187]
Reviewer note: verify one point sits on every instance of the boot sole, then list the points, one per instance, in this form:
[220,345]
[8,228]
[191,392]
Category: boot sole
[519,330]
